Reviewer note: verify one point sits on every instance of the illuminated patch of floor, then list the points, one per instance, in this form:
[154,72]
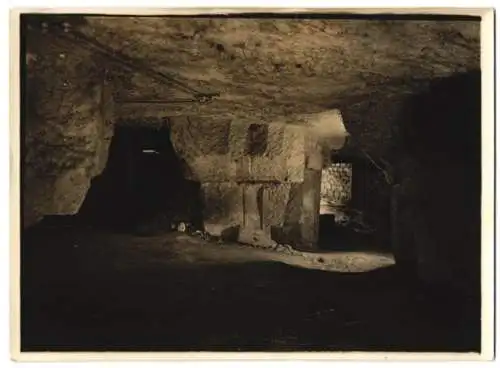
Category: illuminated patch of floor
[191,249]
[342,261]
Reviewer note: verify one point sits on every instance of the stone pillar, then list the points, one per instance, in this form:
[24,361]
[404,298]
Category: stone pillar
[261,182]
[255,229]
[310,209]
[311,192]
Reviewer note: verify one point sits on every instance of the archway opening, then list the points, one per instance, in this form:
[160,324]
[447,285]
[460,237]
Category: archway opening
[354,206]
[143,187]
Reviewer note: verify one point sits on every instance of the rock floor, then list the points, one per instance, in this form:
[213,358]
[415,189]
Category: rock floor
[93,291]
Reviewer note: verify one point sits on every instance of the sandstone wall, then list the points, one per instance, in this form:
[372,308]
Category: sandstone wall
[218,151]
[246,171]
[67,125]
[260,182]
[336,184]
[264,213]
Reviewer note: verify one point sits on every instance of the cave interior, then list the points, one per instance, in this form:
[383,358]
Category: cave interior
[250,183]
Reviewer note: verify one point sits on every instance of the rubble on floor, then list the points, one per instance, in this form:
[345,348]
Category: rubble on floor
[337,261]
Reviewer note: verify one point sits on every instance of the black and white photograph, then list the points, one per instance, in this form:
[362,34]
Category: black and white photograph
[252,182]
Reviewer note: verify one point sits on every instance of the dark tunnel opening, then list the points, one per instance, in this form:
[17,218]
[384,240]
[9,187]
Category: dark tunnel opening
[143,187]
[354,214]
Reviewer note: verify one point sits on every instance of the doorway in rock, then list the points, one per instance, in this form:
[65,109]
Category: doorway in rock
[354,207]
[143,188]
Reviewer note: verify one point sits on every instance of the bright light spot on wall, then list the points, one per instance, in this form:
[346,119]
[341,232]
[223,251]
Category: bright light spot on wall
[150,151]
[336,186]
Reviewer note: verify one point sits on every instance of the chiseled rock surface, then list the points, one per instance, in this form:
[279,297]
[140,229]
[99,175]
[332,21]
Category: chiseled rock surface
[266,69]
[218,151]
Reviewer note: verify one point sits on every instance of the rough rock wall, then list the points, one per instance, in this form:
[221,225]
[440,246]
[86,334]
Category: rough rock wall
[336,183]
[440,191]
[269,68]
[432,140]
[371,124]
[67,125]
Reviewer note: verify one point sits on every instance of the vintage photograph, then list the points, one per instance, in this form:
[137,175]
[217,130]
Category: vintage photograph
[250,182]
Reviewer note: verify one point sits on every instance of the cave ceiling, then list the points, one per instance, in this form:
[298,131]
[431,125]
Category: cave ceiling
[272,69]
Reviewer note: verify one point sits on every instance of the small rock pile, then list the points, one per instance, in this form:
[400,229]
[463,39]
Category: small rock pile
[282,248]
[276,247]
[273,247]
